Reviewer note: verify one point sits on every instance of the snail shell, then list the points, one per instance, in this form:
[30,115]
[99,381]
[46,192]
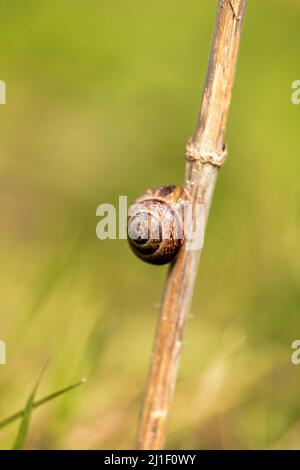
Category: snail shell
[155,228]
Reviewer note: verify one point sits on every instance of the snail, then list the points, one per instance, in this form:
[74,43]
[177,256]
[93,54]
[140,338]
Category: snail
[155,228]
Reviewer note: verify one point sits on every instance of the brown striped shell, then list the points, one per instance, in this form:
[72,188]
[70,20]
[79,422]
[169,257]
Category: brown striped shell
[155,229]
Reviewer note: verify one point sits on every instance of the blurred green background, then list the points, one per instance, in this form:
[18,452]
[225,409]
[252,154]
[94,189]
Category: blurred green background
[101,98]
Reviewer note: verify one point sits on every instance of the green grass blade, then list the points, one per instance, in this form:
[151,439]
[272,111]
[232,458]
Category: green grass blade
[23,430]
[38,403]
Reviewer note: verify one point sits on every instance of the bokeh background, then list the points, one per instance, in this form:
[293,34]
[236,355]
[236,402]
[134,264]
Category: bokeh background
[101,98]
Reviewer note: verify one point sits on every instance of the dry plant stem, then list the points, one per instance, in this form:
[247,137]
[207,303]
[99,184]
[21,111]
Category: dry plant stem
[199,186]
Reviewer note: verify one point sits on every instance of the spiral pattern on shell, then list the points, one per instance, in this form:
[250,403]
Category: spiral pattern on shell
[155,231]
